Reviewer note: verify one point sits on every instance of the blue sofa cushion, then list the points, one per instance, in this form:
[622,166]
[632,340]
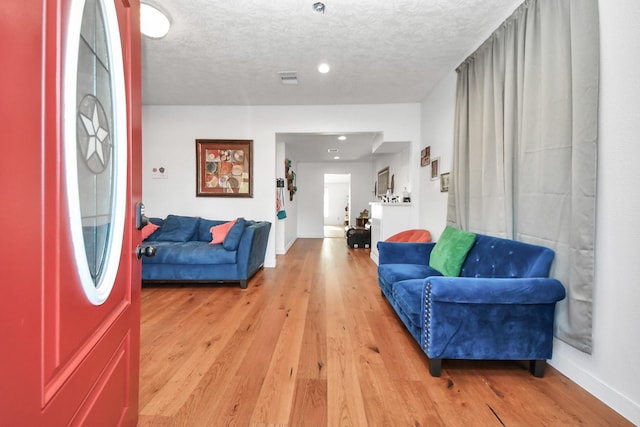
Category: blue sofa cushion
[392,273]
[156,221]
[408,298]
[451,251]
[232,240]
[192,252]
[177,229]
[495,257]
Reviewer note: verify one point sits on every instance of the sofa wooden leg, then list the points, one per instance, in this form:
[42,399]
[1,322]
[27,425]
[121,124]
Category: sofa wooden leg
[536,367]
[243,284]
[434,367]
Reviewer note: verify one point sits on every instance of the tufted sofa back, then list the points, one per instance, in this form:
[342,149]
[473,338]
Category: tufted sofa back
[495,257]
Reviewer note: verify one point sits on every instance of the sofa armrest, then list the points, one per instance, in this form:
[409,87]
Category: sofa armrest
[472,290]
[404,252]
[252,248]
[489,318]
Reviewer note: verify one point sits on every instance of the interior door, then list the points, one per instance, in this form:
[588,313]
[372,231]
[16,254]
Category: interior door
[70,172]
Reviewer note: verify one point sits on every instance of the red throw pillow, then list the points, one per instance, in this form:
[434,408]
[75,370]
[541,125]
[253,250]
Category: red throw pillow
[148,230]
[219,232]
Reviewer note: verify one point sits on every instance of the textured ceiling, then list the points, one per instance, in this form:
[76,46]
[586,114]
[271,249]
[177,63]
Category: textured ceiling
[229,52]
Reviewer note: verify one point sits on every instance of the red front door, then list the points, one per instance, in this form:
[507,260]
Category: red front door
[70,176]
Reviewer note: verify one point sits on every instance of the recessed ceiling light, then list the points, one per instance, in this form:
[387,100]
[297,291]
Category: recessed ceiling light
[342,137]
[153,23]
[324,68]
[336,158]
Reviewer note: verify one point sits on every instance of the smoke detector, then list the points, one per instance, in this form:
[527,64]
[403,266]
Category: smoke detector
[288,77]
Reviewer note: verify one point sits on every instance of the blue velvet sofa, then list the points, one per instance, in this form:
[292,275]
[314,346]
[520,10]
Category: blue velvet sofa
[184,252]
[500,307]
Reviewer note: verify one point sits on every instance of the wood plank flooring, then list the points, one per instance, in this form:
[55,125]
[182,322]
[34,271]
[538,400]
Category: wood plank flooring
[313,343]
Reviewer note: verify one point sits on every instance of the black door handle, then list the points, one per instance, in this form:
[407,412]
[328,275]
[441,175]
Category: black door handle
[148,251]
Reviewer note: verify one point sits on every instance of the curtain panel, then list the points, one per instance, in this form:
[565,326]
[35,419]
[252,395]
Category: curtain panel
[525,144]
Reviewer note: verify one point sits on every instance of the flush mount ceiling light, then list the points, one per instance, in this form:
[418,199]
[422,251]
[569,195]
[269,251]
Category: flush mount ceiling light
[342,137]
[324,68]
[318,7]
[153,23]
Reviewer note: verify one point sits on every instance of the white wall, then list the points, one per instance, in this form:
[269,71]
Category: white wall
[437,120]
[291,206]
[338,198]
[282,226]
[168,139]
[612,372]
[401,166]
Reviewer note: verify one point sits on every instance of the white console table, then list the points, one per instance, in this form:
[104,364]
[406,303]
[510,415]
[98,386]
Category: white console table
[387,219]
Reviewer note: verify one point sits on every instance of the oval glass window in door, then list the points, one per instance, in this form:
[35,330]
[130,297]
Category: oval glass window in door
[95,144]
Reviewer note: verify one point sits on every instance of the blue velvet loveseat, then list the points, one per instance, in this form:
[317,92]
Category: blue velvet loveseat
[500,305]
[185,253]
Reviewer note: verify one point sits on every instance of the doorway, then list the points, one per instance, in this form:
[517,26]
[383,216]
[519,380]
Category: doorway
[337,203]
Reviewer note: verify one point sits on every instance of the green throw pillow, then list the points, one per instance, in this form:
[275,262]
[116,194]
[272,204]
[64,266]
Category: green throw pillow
[449,253]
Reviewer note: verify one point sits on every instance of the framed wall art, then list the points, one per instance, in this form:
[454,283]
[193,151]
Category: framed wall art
[435,170]
[444,182]
[425,156]
[224,168]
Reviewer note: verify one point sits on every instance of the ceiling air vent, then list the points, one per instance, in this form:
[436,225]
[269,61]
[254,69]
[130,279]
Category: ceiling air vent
[288,77]
[333,150]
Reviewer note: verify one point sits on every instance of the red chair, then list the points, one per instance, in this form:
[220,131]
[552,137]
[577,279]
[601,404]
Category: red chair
[414,235]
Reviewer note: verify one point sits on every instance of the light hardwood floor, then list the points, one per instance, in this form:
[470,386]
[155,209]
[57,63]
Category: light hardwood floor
[313,343]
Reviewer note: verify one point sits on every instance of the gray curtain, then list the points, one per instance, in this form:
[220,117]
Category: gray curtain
[525,145]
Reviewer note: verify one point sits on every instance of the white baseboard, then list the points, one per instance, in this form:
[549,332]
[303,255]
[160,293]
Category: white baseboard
[374,257]
[566,364]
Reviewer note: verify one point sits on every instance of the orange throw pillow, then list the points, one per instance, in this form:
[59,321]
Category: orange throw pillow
[415,235]
[148,230]
[219,232]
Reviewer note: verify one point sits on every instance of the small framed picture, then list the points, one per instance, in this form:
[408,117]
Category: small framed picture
[383,183]
[425,156]
[444,182]
[435,168]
